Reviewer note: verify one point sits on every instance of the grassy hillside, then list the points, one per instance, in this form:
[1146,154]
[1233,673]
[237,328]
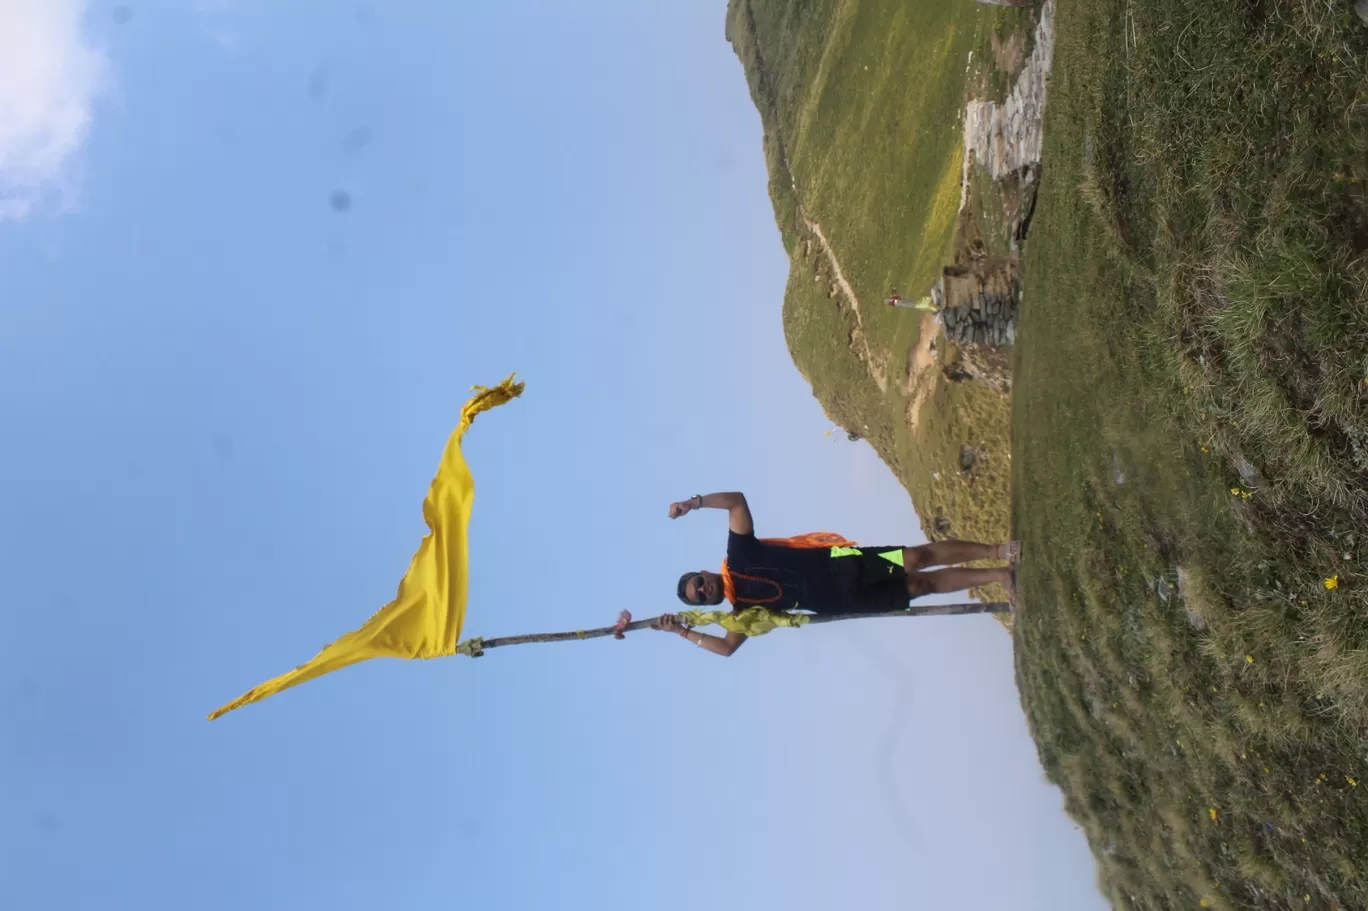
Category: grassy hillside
[861,104]
[1189,467]
[1191,450]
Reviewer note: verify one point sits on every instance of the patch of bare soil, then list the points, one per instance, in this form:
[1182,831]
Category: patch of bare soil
[1009,54]
[921,377]
[876,364]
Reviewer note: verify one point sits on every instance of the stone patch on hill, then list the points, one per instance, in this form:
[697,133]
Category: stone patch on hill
[977,297]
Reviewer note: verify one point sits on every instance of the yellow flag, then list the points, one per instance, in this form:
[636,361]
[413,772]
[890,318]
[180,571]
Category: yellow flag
[424,621]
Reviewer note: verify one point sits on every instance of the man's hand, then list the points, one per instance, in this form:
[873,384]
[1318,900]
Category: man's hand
[671,623]
[738,513]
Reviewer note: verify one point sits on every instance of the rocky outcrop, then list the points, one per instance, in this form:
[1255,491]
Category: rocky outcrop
[987,312]
[978,303]
[1006,138]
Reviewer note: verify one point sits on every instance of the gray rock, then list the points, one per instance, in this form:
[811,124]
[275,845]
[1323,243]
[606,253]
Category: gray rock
[1249,475]
[1180,586]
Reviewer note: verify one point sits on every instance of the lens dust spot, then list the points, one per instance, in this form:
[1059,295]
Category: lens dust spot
[356,140]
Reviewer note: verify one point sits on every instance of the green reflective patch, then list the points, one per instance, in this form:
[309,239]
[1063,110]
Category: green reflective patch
[846,552]
[893,556]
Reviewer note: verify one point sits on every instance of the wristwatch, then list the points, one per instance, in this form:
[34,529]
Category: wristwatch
[699,498]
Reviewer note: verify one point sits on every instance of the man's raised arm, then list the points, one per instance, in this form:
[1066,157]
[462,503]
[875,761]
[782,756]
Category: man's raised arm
[738,511]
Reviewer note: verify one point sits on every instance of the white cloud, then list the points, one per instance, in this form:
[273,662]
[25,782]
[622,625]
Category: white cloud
[50,74]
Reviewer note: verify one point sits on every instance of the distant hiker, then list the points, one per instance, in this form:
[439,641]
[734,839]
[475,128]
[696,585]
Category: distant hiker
[923,304]
[823,573]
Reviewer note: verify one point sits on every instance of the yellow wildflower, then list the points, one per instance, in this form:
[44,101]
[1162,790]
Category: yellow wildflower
[1353,783]
[1332,582]
[1214,814]
[1249,659]
[1235,490]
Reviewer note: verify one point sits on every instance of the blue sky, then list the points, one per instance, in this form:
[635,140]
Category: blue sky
[223,402]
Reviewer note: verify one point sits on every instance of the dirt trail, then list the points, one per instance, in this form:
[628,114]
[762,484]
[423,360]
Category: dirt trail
[921,358]
[921,377]
[876,372]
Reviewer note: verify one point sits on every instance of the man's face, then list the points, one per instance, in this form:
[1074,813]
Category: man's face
[704,589]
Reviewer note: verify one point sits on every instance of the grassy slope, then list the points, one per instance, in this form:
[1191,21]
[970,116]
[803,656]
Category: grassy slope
[861,104]
[1196,302]
[1197,299]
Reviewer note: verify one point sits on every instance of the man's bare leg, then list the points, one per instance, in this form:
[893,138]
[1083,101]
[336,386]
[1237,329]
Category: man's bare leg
[953,551]
[942,581]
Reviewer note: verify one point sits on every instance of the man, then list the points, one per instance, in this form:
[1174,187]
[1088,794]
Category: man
[823,573]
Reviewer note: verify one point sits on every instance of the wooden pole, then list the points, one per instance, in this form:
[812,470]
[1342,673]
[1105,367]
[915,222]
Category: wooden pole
[476,647]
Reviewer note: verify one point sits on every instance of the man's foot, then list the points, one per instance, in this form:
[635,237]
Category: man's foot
[1011,552]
